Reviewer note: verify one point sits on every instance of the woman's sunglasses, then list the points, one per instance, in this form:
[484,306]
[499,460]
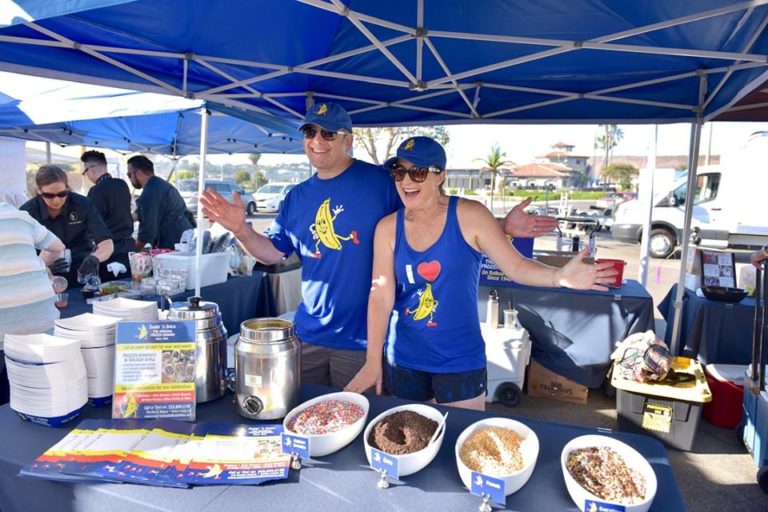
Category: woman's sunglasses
[51,195]
[310,132]
[417,174]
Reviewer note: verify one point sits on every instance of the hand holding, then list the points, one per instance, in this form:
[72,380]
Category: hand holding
[517,223]
[89,266]
[368,376]
[582,276]
[60,266]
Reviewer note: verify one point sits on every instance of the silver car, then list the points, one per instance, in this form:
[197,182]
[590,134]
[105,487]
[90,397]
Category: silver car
[269,197]
[188,191]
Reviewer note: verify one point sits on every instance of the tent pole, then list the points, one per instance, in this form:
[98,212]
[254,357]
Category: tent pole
[690,196]
[48,152]
[645,195]
[200,188]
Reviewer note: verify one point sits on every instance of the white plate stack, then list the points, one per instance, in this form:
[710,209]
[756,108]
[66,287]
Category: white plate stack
[97,346]
[127,309]
[47,377]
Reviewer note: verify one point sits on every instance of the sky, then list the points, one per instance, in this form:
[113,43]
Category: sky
[523,143]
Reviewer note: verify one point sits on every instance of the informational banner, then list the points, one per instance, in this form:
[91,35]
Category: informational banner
[155,370]
[491,275]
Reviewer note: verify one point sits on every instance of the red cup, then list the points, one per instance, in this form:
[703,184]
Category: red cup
[618,265]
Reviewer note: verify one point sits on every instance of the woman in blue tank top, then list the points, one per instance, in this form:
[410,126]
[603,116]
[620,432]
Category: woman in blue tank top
[426,267]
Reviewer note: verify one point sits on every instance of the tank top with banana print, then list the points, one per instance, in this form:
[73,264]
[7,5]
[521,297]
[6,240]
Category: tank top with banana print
[435,325]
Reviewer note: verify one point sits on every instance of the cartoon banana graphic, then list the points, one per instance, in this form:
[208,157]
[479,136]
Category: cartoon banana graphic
[322,230]
[131,407]
[426,304]
[324,226]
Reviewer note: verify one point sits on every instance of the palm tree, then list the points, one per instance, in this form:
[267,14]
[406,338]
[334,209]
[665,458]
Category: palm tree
[492,163]
[611,137]
[254,158]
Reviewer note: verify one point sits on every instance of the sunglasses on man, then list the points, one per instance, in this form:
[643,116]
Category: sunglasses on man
[310,131]
[417,174]
[52,195]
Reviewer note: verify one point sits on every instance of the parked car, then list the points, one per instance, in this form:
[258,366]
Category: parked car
[188,190]
[269,198]
[613,199]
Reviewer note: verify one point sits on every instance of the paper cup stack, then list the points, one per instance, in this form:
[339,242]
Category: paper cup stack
[127,309]
[96,334]
[47,377]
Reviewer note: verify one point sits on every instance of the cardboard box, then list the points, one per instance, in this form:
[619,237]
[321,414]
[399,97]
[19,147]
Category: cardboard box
[557,258]
[548,384]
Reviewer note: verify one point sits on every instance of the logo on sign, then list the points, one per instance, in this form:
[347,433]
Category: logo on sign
[295,444]
[483,485]
[381,461]
[598,506]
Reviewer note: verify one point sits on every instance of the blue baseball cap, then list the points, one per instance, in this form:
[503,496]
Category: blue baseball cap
[329,116]
[421,151]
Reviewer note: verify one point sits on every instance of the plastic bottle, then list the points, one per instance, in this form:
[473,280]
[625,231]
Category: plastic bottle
[492,311]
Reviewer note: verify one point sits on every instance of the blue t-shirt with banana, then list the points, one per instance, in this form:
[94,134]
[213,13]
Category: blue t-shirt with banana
[435,326]
[330,225]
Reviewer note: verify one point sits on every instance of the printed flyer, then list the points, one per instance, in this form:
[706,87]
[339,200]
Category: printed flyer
[238,455]
[155,370]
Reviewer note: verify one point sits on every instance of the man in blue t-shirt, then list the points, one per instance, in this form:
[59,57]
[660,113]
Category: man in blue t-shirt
[329,221]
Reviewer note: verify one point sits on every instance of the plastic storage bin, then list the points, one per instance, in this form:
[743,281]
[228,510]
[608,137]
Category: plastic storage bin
[508,352]
[214,267]
[666,411]
[727,385]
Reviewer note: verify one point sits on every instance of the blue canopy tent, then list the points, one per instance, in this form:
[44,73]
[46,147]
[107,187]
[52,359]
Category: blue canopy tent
[53,110]
[413,61]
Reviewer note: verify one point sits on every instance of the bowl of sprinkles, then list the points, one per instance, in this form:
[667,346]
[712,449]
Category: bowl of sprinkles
[605,470]
[330,422]
[498,447]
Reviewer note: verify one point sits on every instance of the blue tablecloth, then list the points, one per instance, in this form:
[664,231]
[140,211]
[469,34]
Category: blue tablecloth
[239,298]
[338,482]
[574,331]
[713,332]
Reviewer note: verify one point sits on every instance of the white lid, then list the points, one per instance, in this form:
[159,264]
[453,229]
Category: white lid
[735,373]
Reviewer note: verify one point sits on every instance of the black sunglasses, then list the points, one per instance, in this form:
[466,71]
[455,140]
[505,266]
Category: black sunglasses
[417,174]
[51,195]
[310,132]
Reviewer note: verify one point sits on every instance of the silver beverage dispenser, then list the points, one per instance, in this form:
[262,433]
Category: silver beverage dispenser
[210,343]
[267,369]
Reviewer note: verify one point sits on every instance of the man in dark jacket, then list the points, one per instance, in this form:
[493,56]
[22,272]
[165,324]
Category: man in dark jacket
[112,199]
[161,210]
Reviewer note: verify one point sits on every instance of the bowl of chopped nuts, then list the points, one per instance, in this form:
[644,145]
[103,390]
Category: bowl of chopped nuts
[329,422]
[498,447]
[604,470]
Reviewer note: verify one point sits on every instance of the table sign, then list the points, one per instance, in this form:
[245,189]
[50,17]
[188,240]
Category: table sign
[484,485]
[155,370]
[381,461]
[295,444]
[718,269]
[599,506]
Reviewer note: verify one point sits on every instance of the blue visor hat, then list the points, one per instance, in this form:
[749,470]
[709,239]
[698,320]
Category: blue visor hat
[328,116]
[420,151]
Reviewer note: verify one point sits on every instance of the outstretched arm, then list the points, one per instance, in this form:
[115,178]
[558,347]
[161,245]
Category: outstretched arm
[517,223]
[482,232]
[380,302]
[231,216]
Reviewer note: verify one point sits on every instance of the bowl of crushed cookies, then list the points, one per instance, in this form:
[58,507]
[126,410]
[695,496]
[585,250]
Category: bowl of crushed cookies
[500,448]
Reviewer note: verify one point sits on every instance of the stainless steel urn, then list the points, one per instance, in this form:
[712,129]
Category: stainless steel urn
[211,346]
[267,369]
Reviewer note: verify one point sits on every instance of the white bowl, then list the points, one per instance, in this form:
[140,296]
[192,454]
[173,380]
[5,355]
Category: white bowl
[529,449]
[324,444]
[631,457]
[412,462]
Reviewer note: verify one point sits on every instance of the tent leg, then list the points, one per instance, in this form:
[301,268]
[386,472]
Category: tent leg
[693,161]
[200,189]
[645,195]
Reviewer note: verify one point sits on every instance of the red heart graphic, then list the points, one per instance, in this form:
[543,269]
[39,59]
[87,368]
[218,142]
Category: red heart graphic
[429,271]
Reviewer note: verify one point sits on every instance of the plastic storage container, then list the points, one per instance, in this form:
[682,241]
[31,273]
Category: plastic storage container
[666,411]
[508,352]
[214,267]
[727,385]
